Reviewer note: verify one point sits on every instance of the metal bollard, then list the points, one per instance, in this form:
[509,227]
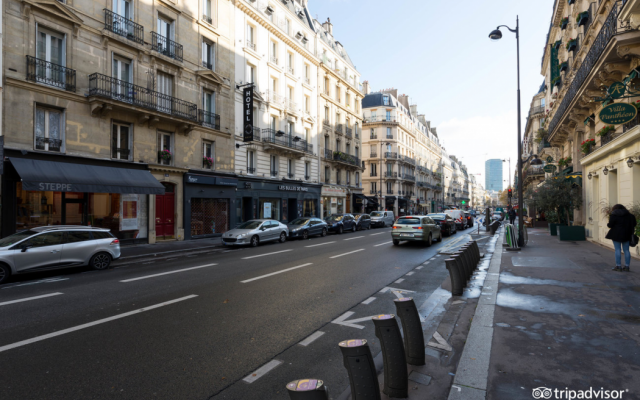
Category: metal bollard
[476,249]
[467,270]
[456,278]
[462,272]
[412,328]
[396,379]
[472,251]
[307,389]
[363,377]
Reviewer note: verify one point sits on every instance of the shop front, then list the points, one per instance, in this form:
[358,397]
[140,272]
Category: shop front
[403,206]
[334,200]
[38,192]
[283,201]
[208,205]
[389,203]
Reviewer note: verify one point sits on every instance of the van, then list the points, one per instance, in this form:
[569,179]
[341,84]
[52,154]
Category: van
[458,216]
[382,218]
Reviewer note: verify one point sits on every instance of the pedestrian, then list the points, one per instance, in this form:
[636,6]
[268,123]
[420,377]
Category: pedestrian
[623,225]
[512,216]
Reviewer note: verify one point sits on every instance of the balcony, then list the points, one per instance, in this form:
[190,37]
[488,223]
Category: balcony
[291,105]
[408,160]
[48,144]
[209,119]
[124,27]
[274,173]
[391,175]
[373,155]
[536,110]
[373,136]
[251,45]
[375,192]
[390,136]
[348,132]
[274,60]
[391,155]
[138,96]
[408,177]
[533,172]
[42,71]
[345,158]
[286,141]
[273,97]
[251,170]
[291,175]
[207,19]
[543,145]
[380,118]
[373,174]
[207,65]
[166,46]
[339,128]
[290,70]
[326,122]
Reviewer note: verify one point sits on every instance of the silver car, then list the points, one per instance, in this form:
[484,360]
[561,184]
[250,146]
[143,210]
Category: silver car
[61,246]
[256,231]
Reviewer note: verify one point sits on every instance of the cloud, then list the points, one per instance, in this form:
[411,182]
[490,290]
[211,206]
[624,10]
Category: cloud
[479,138]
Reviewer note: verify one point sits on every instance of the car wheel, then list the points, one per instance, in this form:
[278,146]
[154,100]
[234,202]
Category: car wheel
[100,261]
[340,230]
[305,235]
[5,273]
[324,232]
[355,228]
[369,227]
[429,240]
[255,241]
[396,242]
[283,237]
[440,238]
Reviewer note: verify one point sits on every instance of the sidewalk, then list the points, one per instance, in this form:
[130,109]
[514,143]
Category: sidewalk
[561,320]
[167,247]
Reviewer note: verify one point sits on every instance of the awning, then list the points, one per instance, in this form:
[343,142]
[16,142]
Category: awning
[359,198]
[372,200]
[55,176]
[574,178]
[390,199]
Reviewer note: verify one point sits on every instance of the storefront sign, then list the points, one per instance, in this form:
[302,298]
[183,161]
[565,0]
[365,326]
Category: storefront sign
[226,181]
[293,188]
[618,113]
[616,90]
[549,169]
[210,180]
[248,113]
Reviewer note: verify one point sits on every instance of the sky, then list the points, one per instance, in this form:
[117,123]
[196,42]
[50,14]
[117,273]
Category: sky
[439,54]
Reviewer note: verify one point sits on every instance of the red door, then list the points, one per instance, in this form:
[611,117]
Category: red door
[165,211]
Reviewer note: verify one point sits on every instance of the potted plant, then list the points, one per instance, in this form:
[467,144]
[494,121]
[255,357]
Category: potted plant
[556,81]
[602,132]
[165,155]
[540,135]
[558,198]
[557,44]
[563,162]
[207,162]
[564,66]
[572,44]
[586,146]
[564,22]
[582,18]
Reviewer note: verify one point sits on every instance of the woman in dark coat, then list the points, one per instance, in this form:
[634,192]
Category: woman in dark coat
[623,225]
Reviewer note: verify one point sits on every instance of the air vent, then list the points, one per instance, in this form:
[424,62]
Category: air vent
[299,35]
[269,10]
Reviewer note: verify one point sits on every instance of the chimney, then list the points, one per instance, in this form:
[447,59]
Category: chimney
[414,110]
[365,88]
[328,26]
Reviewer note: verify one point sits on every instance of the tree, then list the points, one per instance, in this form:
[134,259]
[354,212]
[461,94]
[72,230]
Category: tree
[557,197]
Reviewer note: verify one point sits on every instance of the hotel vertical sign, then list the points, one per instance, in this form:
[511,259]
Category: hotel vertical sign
[247,104]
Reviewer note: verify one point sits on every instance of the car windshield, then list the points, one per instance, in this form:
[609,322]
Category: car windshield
[408,221]
[249,225]
[334,218]
[376,214]
[15,238]
[438,217]
[299,221]
[357,216]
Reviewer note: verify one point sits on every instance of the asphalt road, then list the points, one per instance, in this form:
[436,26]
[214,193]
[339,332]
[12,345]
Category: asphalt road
[212,325]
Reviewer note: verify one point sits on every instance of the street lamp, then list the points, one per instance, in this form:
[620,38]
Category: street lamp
[381,146]
[536,160]
[509,160]
[497,35]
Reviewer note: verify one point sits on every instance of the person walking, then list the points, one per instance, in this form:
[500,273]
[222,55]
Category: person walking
[512,215]
[622,226]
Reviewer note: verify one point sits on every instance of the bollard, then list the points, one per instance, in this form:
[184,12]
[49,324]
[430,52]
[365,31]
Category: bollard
[476,250]
[459,266]
[412,328]
[307,389]
[456,278]
[363,377]
[467,269]
[396,379]
[472,251]
[470,257]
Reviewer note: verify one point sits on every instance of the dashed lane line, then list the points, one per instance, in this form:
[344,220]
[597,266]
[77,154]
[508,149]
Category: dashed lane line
[29,298]
[275,273]
[166,273]
[381,244]
[346,254]
[267,254]
[357,237]
[260,372]
[399,281]
[311,339]
[410,273]
[369,300]
[321,244]
[379,233]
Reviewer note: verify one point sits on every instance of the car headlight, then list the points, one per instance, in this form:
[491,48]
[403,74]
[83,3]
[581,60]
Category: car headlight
[242,235]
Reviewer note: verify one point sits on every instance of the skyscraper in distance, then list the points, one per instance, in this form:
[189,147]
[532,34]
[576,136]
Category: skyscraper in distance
[493,174]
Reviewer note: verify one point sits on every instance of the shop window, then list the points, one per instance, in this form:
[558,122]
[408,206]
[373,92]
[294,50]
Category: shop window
[124,214]
[208,155]
[165,148]
[309,209]
[121,141]
[49,129]
[269,209]
[209,216]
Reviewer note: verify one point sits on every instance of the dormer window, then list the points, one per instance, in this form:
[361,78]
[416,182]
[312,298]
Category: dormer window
[385,100]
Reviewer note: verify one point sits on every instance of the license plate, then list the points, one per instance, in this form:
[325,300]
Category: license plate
[406,234]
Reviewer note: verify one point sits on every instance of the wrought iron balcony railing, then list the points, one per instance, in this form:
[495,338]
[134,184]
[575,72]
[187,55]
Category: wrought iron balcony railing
[291,175]
[251,45]
[287,140]
[207,18]
[373,174]
[49,144]
[536,110]
[121,153]
[339,128]
[207,65]
[307,177]
[373,136]
[209,119]
[373,155]
[408,177]
[273,97]
[326,122]
[166,46]
[274,173]
[408,160]
[124,27]
[251,170]
[348,132]
[291,105]
[139,96]
[51,74]
[346,158]
[391,175]
[274,60]
[390,155]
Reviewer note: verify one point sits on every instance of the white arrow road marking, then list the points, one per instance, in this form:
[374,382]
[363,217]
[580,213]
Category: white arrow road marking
[442,344]
[342,320]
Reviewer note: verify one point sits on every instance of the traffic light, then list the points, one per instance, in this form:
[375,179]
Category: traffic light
[463,202]
[510,193]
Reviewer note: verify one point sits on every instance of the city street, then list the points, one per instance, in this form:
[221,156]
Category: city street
[201,325]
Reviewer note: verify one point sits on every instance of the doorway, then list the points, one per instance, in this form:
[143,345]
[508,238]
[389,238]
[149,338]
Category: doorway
[165,212]
[74,208]
[293,209]
[247,209]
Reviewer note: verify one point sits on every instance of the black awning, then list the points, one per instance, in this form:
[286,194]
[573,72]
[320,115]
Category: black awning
[55,176]
[372,200]
[390,199]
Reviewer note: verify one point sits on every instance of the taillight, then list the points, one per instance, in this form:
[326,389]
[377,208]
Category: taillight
[396,227]
[115,241]
[417,227]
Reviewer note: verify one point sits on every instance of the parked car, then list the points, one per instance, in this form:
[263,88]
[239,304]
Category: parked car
[254,232]
[382,218]
[447,224]
[458,217]
[363,221]
[52,247]
[415,228]
[304,227]
[469,217]
[341,222]
[496,216]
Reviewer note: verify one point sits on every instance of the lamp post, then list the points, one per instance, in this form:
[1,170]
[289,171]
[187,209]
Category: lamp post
[497,35]
[509,173]
[381,146]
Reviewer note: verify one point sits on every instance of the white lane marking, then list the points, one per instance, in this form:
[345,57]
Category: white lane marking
[47,280]
[311,339]
[90,324]
[441,342]
[399,281]
[167,273]
[381,244]
[410,273]
[357,237]
[399,294]
[369,300]
[29,298]
[260,372]
[342,320]
[321,244]
[419,267]
[275,273]
[426,263]
[380,233]
[346,254]
[267,254]
[386,289]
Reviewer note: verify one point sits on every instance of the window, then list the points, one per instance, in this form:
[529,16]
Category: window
[45,239]
[307,135]
[338,94]
[290,63]
[388,116]
[374,169]
[206,10]
[209,116]
[208,153]
[326,114]
[307,170]
[165,148]
[326,86]
[374,187]
[357,153]
[287,26]
[274,85]
[347,148]
[49,128]
[165,87]
[274,123]
[338,177]
[123,8]
[348,177]
[250,36]
[385,100]
[358,179]
[307,104]
[251,73]
[208,55]
[290,94]
[121,141]
[337,145]
[290,169]
[165,29]
[50,47]
[307,74]
[389,135]
[274,165]
[542,102]
[78,236]
[274,53]
[347,99]
[251,167]
[389,188]
[373,115]
[327,175]
[326,142]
